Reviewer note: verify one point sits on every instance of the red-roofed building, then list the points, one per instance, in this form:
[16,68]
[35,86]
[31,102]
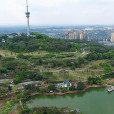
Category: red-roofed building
[75,85]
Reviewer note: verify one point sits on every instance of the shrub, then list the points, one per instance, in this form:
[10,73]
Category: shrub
[3,70]
[80,86]
[8,59]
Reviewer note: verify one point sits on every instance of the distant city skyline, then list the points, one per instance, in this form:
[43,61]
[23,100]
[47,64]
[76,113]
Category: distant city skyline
[57,12]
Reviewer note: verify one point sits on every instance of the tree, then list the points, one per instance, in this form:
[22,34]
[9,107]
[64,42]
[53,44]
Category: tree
[47,75]
[7,107]
[103,81]
[11,65]
[91,82]
[98,82]
[3,70]
[18,78]
[15,88]
[20,55]
[72,88]
[78,46]
[35,75]
[30,87]
[107,69]
[73,67]
[5,83]
[43,90]
[9,88]
[80,60]
[65,89]
[52,87]
[80,86]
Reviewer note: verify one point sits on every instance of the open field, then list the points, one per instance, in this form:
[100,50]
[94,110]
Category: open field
[9,53]
[94,64]
[80,75]
[5,53]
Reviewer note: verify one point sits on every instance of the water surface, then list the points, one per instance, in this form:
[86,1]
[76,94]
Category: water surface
[93,101]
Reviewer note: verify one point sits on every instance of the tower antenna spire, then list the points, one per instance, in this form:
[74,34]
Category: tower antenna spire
[27,4]
[27,15]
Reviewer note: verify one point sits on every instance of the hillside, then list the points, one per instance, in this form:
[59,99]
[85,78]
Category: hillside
[36,58]
[30,60]
[36,42]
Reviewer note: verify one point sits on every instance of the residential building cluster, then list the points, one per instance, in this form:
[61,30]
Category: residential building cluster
[72,34]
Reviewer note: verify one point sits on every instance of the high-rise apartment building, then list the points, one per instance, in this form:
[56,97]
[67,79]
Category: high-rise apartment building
[81,36]
[76,35]
[112,37]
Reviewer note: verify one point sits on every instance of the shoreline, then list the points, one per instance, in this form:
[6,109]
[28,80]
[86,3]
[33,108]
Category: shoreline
[68,92]
[11,96]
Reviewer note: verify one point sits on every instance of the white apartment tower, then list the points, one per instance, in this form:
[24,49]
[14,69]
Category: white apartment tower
[112,37]
[81,36]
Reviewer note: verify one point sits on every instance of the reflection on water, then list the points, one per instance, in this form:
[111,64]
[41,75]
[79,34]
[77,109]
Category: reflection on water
[93,101]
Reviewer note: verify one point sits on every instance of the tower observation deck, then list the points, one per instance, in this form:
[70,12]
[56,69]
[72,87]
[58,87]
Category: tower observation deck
[27,13]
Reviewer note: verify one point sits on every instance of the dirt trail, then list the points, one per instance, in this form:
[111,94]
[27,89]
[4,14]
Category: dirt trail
[110,81]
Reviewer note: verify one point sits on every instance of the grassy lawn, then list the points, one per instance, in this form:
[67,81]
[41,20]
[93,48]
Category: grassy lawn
[97,62]
[94,63]
[9,53]
[36,53]
[75,75]
[78,75]
[5,53]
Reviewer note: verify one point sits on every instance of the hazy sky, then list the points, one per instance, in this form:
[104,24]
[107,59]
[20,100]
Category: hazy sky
[56,12]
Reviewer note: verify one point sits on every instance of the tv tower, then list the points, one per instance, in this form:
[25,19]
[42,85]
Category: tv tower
[27,15]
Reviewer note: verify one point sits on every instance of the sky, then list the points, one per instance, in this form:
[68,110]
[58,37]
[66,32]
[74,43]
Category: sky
[57,12]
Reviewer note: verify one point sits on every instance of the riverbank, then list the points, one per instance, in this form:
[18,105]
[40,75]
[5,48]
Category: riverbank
[68,92]
[98,100]
[12,95]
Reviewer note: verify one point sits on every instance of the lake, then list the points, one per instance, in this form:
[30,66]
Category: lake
[93,101]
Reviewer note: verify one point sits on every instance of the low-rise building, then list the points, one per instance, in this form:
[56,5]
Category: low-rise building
[10,36]
[3,41]
[66,83]
[75,85]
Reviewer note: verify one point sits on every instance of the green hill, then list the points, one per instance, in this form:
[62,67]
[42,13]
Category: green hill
[37,42]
